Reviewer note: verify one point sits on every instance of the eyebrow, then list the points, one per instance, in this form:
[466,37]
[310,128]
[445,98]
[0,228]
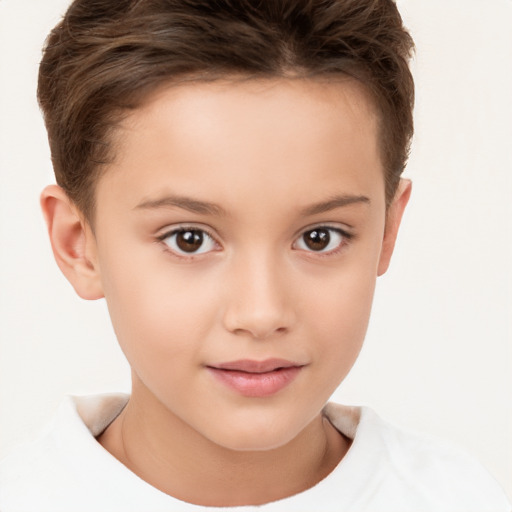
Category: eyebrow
[333,203]
[207,208]
[186,203]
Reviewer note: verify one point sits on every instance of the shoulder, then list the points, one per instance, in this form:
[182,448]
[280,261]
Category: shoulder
[64,466]
[412,469]
[33,465]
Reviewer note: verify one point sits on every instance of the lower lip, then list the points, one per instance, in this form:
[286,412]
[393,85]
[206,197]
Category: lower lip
[257,384]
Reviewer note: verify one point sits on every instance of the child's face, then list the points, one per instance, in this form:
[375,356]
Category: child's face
[248,171]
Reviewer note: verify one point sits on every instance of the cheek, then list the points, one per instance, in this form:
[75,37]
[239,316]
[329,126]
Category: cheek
[341,313]
[155,311]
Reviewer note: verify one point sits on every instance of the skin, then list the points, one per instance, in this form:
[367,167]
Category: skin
[265,153]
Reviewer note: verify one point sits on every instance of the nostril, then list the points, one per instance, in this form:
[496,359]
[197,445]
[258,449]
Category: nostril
[258,309]
[259,332]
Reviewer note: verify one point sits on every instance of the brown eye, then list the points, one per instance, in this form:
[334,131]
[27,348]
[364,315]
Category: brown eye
[322,239]
[317,239]
[189,241]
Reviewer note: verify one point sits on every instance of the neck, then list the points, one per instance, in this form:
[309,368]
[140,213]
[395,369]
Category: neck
[176,459]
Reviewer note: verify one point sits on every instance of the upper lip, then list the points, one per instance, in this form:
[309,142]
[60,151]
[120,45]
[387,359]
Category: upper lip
[252,366]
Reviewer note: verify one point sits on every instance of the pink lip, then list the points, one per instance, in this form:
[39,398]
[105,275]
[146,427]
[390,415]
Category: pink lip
[256,378]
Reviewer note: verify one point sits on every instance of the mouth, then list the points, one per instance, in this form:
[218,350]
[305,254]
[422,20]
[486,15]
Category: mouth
[256,378]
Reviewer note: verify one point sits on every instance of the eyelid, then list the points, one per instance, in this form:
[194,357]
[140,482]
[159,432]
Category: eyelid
[346,234]
[169,229]
[173,229]
[345,229]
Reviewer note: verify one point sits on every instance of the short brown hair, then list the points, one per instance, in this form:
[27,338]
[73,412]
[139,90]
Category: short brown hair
[105,55]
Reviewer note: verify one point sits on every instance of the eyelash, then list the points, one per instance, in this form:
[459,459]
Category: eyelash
[346,236]
[346,239]
[184,229]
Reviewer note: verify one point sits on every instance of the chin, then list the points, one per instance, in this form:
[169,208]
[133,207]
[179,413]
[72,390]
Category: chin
[254,438]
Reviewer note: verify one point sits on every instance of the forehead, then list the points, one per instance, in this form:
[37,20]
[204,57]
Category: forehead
[247,104]
[248,135]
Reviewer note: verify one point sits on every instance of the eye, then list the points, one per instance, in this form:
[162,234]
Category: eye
[322,239]
[189,241]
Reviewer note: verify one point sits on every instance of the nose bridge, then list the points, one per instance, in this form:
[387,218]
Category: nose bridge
[258,302]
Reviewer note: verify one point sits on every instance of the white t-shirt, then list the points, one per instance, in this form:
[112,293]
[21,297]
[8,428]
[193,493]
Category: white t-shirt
[385,470]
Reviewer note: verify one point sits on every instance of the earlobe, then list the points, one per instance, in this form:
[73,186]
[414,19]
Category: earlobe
[72,243]
[394,217]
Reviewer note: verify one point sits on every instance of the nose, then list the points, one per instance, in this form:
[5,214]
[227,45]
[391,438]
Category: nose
[259,299]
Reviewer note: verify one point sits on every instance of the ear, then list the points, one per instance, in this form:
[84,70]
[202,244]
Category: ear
[73,242]
[393,219]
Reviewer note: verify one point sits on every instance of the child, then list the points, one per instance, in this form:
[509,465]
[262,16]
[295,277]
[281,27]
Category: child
[229,180]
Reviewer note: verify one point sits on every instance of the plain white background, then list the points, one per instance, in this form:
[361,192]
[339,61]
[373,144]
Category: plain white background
[438,355]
